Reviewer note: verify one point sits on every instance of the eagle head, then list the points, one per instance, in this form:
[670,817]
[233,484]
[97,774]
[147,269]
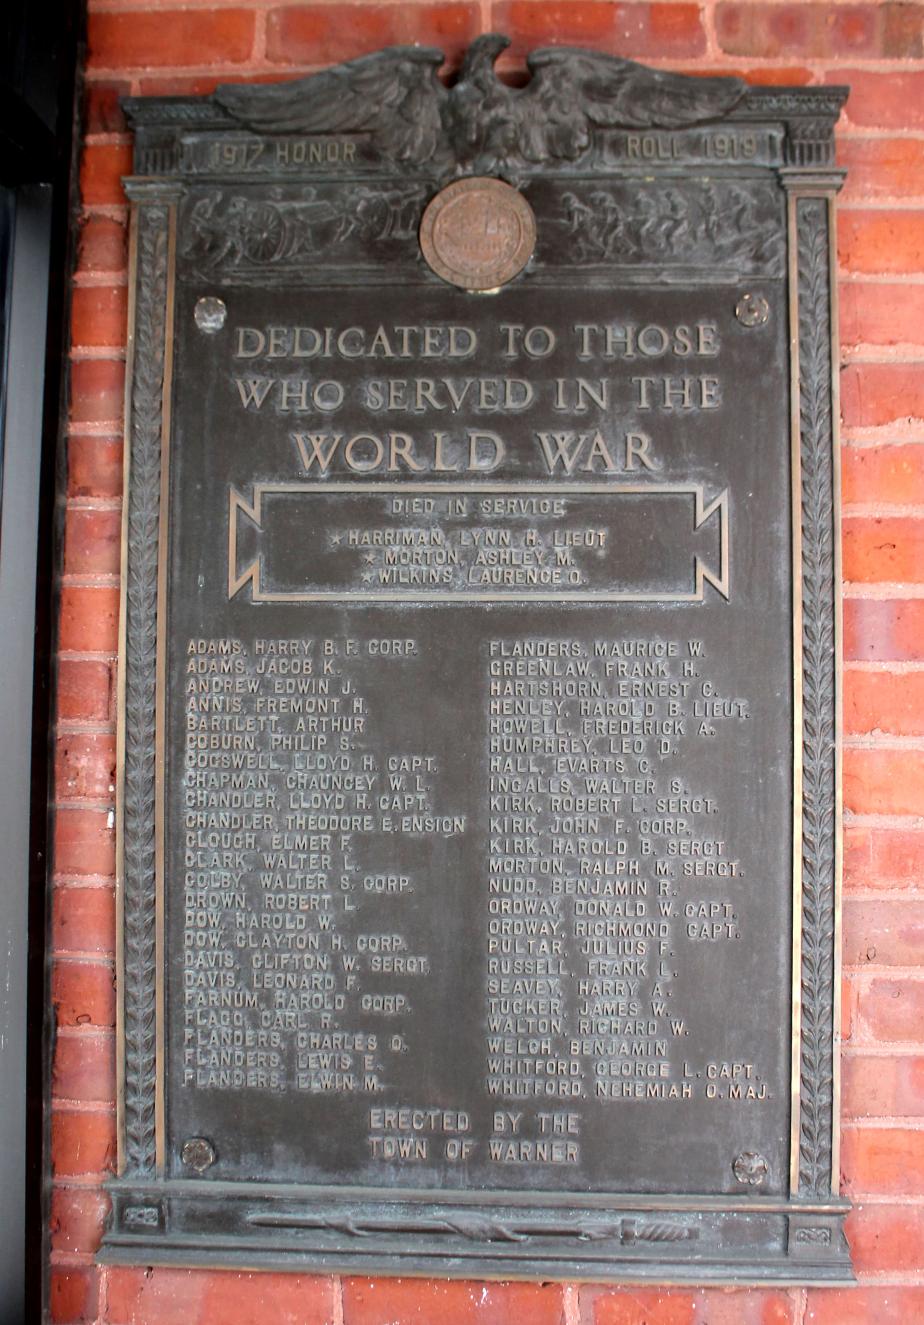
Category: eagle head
[481,54]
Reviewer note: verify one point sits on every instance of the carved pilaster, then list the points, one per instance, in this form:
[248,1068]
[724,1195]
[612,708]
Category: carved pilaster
[139,625]
[817,436]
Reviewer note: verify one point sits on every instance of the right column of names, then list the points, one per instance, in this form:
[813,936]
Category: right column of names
[604,864]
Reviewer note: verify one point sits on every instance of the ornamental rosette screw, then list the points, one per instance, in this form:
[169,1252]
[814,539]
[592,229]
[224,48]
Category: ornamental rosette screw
[752,310]
[750,1168]
[210,314]
[198,1154]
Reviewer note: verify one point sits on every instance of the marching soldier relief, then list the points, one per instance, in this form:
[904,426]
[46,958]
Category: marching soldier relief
[479,768]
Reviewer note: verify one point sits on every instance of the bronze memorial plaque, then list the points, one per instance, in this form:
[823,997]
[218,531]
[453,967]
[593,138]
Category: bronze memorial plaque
[478,799]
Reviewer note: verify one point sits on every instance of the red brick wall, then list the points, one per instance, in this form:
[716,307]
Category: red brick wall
[147,46]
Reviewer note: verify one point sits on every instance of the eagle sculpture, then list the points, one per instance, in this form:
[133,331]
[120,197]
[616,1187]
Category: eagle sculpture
[480,125]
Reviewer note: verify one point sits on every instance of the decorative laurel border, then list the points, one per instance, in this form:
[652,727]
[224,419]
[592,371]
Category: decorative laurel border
[819,694]
[140,606]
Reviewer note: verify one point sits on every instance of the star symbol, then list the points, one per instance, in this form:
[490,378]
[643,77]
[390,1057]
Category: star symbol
[367,577]
[369,558]
[335,540]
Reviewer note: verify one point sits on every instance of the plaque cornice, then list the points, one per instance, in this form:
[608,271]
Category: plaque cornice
[395,103]
[784,102]
[146,191]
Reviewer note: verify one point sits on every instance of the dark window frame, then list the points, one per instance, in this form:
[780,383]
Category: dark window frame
[41,44]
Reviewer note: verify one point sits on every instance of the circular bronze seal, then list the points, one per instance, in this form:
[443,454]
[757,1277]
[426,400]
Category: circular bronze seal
[478,233]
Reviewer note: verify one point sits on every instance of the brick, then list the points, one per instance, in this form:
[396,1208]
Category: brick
[892,1011]
[878,1087]
[73,1294]
[201,84]
[902,31]
[763,76]
[874,394]
[190,85]
[858,858]
[83,993]
[97,389]
[749,1306]
[800,30]
[886,549]
[84,691]
[883,933]
[888,1161]
[169,37]
[881,167]
[103,246]
[851,30]
[864,1306]
[197,1297]
[883,858]
[884,630]
[887,313]
[101,171]
[641,1306]
[78,1216]
[891,702]
[625,29]
[421,1301]
[101,110]
[92,541]
[658,1306]
[883,781]
[893,100]
[83,1068]
[83,919]
[893,475]
[84,841]
[83,1142]
[94,466]
[98,315]
[592,24]
[318,34]
[674,29]
[881,242]
[89,620]
[886,1237]
[85,766]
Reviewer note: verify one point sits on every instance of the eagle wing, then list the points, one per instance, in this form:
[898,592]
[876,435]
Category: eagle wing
[572,90]
[394,94]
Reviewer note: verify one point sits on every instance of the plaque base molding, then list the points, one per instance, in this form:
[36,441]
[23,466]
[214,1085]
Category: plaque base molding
[688,1240]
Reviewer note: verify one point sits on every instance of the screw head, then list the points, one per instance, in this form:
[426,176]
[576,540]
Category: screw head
[752,310]
[198,1154]
[750,1168]
[210,314]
